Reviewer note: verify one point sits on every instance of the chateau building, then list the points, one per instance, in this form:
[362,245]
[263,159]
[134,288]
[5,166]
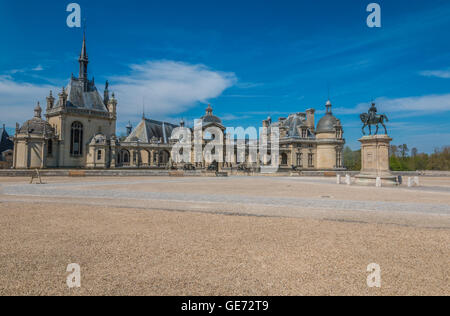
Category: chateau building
[79,131]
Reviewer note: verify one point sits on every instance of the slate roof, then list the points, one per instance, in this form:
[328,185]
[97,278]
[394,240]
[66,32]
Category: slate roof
[291,124]
[327,124]
[150,129]
[77,97]
[5,142]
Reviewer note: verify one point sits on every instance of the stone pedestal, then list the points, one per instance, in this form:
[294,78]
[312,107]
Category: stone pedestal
[375,161]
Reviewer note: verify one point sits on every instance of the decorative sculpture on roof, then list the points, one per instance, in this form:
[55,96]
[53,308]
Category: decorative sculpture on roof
[372,118]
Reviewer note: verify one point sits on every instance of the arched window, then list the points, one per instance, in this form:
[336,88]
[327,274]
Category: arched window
[76,139]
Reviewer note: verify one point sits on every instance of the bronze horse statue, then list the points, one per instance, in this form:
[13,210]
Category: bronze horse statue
[374,120]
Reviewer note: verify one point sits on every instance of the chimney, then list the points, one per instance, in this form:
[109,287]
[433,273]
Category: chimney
[268,122]
[310,119]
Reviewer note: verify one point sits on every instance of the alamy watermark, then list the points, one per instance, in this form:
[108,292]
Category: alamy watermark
[374,278]
[212,144]
[73,280]
[74,18]
[374,18]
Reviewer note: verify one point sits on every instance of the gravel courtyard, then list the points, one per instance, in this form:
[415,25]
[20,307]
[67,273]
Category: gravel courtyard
[223,236]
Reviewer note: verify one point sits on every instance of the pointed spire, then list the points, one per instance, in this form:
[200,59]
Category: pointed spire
[83,60]
[106,93]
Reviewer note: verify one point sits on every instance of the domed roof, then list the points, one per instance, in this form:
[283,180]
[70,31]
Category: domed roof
[209,117]
[327,124]
[37,125]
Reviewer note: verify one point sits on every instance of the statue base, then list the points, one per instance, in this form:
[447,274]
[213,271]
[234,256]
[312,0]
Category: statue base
[375,161]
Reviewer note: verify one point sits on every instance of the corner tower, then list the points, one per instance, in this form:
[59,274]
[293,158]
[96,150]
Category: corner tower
[330,141]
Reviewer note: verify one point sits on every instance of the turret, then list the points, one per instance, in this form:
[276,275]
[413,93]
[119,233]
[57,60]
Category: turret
[50,101]
[62,98]
[112,105]
[38,111]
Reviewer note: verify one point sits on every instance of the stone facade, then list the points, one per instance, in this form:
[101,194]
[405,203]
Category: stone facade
[79,131]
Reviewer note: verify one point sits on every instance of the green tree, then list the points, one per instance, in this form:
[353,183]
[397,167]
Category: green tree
[403,150]
[352,159]
[394,151]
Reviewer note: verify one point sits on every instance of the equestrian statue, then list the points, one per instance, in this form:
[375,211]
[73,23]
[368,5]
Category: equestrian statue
[372,118]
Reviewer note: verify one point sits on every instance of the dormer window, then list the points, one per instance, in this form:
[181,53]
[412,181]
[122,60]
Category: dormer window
[304,133]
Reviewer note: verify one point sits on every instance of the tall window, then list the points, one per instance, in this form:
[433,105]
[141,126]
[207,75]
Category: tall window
[284,159]
[50,147]
[76,139]
[338,158]
[300,160]
[310,160]
[99,155]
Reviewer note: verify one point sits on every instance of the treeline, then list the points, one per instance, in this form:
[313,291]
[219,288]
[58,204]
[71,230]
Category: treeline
[404,159]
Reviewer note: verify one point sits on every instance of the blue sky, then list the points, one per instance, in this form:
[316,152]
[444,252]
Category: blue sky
[249,59]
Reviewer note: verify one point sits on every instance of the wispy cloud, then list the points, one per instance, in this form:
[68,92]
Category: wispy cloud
[38,68]
[445,74]
[409,106]
[168,87]
[25,70]
[18,99]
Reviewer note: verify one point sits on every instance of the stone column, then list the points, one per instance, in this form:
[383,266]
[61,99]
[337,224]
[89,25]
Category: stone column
[15,152]
[375,161]
[43,154]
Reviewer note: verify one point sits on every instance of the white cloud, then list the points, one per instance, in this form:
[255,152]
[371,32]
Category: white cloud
[409,106]
[445,74]
[38,68]
[168,87]
[17,100]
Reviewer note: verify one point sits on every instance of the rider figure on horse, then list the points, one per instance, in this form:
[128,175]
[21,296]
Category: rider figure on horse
[372,118]
[372,112]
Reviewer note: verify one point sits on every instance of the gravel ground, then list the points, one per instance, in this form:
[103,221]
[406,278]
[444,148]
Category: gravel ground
[166,236]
